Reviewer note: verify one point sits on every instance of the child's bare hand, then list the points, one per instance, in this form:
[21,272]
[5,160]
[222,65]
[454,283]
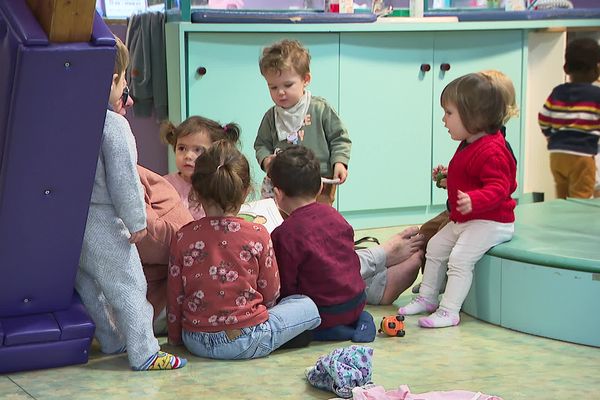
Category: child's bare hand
[463,205]
[403,245]
[340,172]
[137,236]
[267,162]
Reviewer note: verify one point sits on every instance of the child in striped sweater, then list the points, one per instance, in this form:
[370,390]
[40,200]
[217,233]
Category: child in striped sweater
[570,120]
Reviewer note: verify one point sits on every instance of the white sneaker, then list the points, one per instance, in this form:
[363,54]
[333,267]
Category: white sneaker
[417,305]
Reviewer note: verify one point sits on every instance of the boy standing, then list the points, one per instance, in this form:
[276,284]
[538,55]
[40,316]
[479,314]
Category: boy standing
[300,118]
[570,120]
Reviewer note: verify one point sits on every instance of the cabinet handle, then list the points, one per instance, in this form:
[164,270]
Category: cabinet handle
[425,67]
[201,71]
[445,67]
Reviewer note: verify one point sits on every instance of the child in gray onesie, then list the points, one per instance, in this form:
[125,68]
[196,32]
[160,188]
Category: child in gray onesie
[110,279]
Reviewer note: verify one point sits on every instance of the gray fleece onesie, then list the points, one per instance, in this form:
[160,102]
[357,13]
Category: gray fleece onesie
[110,279]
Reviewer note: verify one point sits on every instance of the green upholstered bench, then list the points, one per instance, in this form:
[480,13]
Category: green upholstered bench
[546,280]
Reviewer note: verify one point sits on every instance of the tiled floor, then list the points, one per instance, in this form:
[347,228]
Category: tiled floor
[474,356]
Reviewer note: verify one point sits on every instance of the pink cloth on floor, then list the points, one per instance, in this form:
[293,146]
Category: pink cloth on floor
[375,392]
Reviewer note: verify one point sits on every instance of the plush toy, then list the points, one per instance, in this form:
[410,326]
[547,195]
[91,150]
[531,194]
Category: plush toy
[392,325]
[438,179]
[438,174]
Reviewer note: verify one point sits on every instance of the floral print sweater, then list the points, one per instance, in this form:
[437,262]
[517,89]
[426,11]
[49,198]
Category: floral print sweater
[222,275]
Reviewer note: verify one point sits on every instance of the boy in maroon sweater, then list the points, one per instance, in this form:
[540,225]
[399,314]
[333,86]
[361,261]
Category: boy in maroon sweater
[314,248]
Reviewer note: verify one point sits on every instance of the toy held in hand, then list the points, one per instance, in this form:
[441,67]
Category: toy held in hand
[438,174]
[438,179]
[392,325]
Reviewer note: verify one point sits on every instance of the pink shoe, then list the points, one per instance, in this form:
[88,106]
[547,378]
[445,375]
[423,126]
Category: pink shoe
[417,305]
[440,319]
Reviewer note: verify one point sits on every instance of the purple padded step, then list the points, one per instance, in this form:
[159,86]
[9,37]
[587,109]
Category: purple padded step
[75,323]
[28,329]
[44,355]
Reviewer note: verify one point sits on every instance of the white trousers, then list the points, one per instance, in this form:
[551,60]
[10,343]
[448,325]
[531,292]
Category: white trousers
[453,251]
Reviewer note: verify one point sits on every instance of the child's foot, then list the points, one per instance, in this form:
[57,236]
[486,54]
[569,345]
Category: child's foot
[440,319]
[162,361]
[365,329]
[417,305]
[402,245]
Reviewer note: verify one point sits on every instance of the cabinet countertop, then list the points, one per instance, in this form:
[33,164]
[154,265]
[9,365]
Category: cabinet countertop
[390,27]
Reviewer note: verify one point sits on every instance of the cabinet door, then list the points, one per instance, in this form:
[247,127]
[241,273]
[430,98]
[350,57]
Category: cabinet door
[224,81]
[385,101]
[467,52]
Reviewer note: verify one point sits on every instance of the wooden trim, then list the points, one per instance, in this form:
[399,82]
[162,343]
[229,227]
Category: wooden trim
[570,29]
[553,29]
[115,21]
[65,20]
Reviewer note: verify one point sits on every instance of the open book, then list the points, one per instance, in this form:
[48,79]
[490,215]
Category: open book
[263,212]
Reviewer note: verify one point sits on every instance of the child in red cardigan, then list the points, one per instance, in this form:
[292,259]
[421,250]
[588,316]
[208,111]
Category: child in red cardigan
[481,178]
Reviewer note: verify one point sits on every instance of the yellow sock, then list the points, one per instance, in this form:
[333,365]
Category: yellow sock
[162,361]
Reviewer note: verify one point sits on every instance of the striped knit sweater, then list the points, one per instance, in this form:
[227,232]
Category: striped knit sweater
[570,119]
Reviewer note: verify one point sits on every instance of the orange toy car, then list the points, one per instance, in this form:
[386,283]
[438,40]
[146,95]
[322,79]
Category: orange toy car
[392,325]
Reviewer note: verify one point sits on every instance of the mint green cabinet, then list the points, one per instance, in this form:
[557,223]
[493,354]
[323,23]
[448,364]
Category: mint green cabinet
[385,101]
[390,86]
[385,85]
[466,52]
[224,82]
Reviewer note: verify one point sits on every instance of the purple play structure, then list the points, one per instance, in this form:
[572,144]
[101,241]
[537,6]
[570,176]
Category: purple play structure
[53,100]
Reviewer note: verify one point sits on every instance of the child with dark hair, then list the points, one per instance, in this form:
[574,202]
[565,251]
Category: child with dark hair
[570,120]
[314,247]
[223,276]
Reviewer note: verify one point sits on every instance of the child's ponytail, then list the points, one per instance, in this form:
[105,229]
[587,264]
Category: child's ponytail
[168,133]
[231,132]
[222,176]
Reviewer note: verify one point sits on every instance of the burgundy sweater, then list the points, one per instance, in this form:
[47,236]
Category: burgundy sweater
[486,171]
[315,251]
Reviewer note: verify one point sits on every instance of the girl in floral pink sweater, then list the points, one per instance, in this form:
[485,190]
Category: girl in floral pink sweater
[223,275]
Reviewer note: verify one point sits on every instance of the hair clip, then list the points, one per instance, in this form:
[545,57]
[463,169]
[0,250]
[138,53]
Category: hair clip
[219,166]
[225,128]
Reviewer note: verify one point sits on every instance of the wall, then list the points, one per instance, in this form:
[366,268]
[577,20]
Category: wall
[544,72]
[152,154]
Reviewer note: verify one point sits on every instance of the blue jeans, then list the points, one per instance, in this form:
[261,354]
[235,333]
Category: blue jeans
[292,316]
